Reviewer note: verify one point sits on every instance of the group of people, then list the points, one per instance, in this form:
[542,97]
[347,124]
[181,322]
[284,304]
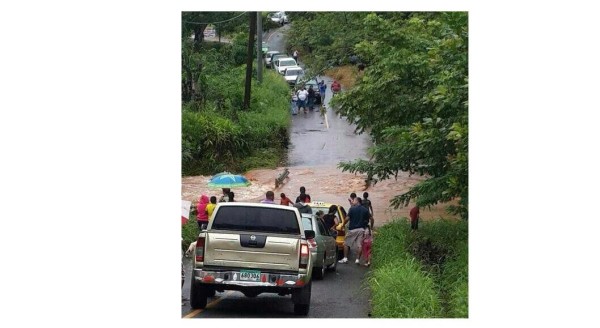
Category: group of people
[305,99]
[360,218]
[360,224]
[206,206]
[360,221]
[302,201]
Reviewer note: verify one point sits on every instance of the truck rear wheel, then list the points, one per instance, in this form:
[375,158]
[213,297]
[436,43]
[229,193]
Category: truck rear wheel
[198,295]
[301,299]
[301,309]
[212,293]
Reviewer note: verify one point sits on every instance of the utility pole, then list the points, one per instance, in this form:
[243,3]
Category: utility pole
[249,58]
[259,32]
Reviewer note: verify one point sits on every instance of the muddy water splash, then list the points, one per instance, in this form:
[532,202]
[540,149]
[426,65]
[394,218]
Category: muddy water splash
[326,183]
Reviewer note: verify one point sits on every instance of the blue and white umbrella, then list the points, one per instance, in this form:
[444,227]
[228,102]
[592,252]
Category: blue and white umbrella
[228,180]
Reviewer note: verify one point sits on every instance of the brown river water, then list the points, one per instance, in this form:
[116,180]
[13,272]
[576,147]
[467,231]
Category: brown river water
[323,183]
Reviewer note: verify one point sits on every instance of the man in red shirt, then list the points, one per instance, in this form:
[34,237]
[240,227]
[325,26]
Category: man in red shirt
[414,218]
[336,86]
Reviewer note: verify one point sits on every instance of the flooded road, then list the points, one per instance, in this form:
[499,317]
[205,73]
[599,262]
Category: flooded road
[317,145]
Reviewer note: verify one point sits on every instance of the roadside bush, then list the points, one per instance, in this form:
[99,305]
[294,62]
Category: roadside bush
[433,259]
[218,135]
[189,232]
[401,290]
[208,141]
[455,282]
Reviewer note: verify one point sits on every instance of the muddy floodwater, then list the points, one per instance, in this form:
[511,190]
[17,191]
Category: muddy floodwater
[325,183]
[317,145]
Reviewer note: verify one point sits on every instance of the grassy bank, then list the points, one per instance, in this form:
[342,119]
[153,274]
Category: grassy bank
[422,274]
[217,135]
[189,232]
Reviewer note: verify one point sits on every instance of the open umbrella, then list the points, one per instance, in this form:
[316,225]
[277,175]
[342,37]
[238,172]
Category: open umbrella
[228,180]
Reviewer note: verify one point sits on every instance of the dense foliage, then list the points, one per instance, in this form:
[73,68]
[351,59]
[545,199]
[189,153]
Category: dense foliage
[412,97]
[217,134]
[422,274]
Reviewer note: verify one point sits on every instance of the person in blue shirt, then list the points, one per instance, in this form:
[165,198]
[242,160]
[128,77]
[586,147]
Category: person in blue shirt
[358,219]
[322,90]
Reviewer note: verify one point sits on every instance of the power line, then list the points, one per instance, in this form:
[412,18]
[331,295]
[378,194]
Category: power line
[227,20]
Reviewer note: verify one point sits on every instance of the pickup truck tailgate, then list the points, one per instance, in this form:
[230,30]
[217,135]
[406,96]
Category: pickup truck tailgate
[249,250]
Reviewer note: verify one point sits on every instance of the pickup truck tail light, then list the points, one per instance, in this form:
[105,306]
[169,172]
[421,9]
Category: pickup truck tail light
[304,253]
[200,249]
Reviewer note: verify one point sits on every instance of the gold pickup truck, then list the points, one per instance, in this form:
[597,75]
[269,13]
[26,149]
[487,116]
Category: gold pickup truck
[253,248]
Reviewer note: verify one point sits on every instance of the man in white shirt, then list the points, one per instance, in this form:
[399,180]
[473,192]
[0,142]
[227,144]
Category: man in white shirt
[302,95]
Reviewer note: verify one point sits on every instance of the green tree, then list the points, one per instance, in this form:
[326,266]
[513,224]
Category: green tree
[412,99]
[197,55]
[326,39]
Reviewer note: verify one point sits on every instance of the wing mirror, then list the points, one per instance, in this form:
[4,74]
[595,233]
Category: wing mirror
[309,234]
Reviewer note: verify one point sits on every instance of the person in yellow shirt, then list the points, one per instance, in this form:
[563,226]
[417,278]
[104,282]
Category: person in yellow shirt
[211,207]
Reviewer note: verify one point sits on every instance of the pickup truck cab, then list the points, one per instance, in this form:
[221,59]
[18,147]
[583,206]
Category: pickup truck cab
[253,248]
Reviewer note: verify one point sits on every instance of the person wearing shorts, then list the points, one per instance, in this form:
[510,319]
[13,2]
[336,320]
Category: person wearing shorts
[302,97]
[358,218]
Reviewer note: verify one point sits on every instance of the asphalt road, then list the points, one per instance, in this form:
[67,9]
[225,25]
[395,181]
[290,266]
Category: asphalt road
[341,294]
[316,140]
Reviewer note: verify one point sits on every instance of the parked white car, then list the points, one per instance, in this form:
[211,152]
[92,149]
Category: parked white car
[280,18]
[281,64]
[268,56]
[292,74]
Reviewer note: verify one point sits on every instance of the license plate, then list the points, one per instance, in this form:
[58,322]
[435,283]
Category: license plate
[250,275]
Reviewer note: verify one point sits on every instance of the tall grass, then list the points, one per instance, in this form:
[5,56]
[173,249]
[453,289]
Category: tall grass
[455,282]
[400,289]
[219,136]
[421,273]
[189,232]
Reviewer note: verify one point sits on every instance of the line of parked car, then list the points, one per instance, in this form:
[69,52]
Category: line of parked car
[287,66]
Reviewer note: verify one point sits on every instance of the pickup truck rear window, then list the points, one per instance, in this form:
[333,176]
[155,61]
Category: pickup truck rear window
[256,219]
